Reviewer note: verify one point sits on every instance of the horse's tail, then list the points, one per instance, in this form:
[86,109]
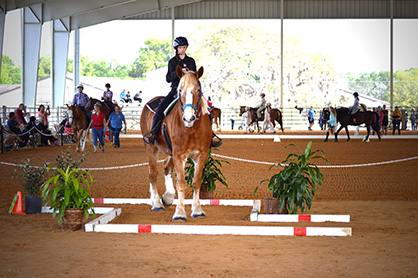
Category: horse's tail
[220,114]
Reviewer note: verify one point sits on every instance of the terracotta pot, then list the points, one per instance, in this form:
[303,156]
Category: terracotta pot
[272,206]
[204,194]
[72,219]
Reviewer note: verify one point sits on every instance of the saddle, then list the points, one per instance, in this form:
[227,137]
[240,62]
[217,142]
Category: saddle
[262,114]
[353,117]
[153,105]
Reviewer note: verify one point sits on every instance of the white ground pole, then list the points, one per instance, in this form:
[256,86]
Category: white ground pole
[31,43]
[203,202]
[223,230]
[288,218]
[60,39]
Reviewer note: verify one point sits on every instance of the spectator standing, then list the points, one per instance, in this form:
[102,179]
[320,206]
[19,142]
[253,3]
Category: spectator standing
[413,119]
[321,119]
[233,118]
[19,115]
[98,123]
[406,118]
[115,120]
[385,120]
[43,115]
[381,116]
[311,115]
[396,120]
[332,122]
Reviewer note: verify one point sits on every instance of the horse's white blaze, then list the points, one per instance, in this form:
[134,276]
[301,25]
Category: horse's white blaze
[70,116]
[188,112]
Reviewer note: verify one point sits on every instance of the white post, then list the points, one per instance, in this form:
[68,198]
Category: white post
[60,38]
[2,17]
[31,44]
[391,55]
[76,66]
[281,53]
[173,21]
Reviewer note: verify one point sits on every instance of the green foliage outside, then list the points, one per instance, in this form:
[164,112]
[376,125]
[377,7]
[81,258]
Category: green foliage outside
[295,185]
[10,74]
[377,85]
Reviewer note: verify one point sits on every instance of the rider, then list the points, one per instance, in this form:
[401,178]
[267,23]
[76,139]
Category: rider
[83,101]
[187,64]
[261,106]
[107,98]
[355,108]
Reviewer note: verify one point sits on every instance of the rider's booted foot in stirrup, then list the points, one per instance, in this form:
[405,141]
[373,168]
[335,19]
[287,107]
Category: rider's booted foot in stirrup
[215,144]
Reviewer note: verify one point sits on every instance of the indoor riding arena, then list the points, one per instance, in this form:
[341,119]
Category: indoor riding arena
[375,183]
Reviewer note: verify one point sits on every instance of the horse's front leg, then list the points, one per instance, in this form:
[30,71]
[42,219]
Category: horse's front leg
[170,193]
[180,213]
[152,153]
[197,210]
[336,133]
[77,140]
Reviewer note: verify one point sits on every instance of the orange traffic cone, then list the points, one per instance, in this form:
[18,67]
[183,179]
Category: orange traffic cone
[18,208]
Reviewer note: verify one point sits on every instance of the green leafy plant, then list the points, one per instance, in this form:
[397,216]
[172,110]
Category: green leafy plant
[211,173]
[65,190]
[31,177]
[295,185]
[65,160]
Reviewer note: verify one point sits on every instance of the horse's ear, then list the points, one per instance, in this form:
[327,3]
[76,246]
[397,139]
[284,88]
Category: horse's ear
[67,106]
[199,73]
[179,72]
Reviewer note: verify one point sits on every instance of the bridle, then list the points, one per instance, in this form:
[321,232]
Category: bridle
[191,105]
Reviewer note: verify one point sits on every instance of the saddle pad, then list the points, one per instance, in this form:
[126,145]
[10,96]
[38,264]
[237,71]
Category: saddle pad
[167,111]
[153,105]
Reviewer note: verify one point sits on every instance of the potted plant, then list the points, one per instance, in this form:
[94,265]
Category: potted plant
[211,174]
[32,178]
[294,186]
[68,198]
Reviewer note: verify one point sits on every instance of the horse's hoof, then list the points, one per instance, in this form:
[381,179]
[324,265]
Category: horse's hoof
[336,141]
[201,215]
[157,209]
[165,204]
[180,218]
[326,140]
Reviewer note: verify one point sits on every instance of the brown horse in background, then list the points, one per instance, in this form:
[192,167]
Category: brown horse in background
[103,107]
[216,114]
[77,120]
[189,132]
[368,118]
[275,115]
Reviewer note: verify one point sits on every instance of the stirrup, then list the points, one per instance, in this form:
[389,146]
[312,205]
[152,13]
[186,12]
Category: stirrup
[214,144]
[149,138]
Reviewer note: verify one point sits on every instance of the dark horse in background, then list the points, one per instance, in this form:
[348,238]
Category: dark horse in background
[103,108]
[275,116]
[369,118]
[216,114]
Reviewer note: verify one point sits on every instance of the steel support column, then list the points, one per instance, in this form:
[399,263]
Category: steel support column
[2,17]
[76,66]
[281,54]
[173,21]
[31,43]
[60,38]
[391,55]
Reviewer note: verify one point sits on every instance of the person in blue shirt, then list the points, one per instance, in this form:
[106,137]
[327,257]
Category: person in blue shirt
[311,114]
[115,120]
[332,122]
[123,97]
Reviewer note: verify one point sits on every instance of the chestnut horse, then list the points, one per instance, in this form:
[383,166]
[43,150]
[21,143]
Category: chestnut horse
[77,120]
[368,118]
[189,131]
[275,115]
[216,114]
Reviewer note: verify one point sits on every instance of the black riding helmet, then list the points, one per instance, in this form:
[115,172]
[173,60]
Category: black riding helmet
[107,85]
[180,41]
[355,94]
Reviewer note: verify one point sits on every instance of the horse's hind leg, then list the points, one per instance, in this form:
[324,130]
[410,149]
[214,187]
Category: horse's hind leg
[197,210]
[152,153]
[366,139]
[170,193]
[348,134]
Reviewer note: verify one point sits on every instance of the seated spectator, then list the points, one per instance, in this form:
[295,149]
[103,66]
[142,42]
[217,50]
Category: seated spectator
[41,133]
[138,97]
[27,116]
[123,97]
[14,127]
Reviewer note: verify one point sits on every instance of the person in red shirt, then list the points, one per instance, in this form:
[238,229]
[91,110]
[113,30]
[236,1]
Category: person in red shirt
[19,115]
[97,125]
